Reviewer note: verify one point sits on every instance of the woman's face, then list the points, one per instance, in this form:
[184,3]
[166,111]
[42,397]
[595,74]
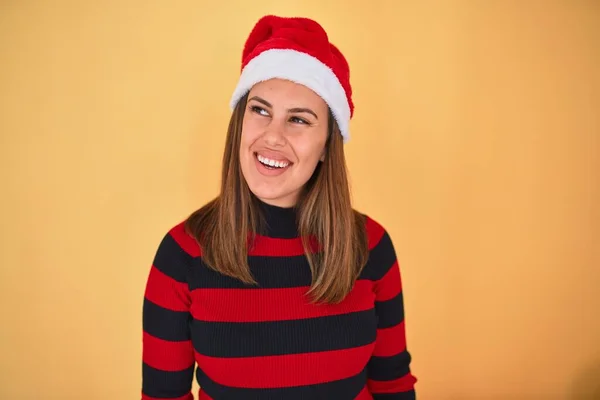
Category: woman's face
[284,132]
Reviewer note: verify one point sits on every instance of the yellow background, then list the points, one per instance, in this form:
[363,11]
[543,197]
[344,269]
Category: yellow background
[476,143]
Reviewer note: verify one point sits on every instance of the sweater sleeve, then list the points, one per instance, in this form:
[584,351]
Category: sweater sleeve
[389,374]
[167,352]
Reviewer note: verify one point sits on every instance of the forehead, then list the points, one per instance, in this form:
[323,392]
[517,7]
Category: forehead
[287,93]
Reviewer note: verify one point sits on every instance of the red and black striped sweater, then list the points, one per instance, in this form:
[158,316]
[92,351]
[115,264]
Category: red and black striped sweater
[268,342]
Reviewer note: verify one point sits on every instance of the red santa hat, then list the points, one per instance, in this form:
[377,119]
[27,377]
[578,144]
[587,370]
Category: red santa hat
[297,49]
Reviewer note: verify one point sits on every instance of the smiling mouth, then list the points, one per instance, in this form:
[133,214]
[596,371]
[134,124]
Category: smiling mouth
[272,164]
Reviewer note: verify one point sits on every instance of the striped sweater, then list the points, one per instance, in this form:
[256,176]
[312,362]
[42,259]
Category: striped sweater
[268,342]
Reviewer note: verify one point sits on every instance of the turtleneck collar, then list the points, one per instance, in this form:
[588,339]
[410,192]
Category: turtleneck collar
[280,221]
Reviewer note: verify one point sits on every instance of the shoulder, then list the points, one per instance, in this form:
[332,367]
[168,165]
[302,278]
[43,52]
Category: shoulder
[382,255]
[175,252]
[176,243]
[183,239]
[377,234]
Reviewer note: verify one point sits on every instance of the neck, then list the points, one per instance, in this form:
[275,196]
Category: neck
[280,222]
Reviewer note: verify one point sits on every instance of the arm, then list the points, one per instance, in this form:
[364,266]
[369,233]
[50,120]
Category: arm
[389,374]
[167,355]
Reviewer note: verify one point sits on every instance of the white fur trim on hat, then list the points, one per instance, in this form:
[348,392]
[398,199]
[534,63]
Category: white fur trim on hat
[301,68]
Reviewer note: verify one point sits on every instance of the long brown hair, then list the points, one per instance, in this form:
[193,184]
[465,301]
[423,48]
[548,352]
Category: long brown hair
[226,226]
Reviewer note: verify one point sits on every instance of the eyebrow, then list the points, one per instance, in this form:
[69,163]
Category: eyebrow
[291,110]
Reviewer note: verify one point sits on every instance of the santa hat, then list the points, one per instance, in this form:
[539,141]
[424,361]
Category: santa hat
[297,49]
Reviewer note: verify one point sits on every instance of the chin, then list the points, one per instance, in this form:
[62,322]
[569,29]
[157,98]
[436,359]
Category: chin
[275,197]
[273,194]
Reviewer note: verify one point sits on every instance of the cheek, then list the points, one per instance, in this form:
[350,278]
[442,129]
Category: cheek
[248,136]
[246,139]
[252,128]
[310,155]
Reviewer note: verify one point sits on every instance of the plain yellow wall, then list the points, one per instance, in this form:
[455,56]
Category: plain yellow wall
[476,142]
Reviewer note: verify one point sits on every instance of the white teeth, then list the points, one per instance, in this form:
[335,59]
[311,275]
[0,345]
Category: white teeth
[272,163]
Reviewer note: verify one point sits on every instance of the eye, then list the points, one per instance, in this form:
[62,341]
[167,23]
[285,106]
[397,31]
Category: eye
[259,110]
[298,120]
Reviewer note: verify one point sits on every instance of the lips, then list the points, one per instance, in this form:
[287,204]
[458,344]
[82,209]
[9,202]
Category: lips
[271,159]
[271,164]
[273,156]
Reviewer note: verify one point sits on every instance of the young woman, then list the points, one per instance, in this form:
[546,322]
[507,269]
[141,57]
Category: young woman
[278,288]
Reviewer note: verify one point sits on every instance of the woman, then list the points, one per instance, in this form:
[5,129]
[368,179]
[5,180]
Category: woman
[278,289]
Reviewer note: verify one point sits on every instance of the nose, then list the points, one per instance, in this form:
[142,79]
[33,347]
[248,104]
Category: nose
[274,133]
